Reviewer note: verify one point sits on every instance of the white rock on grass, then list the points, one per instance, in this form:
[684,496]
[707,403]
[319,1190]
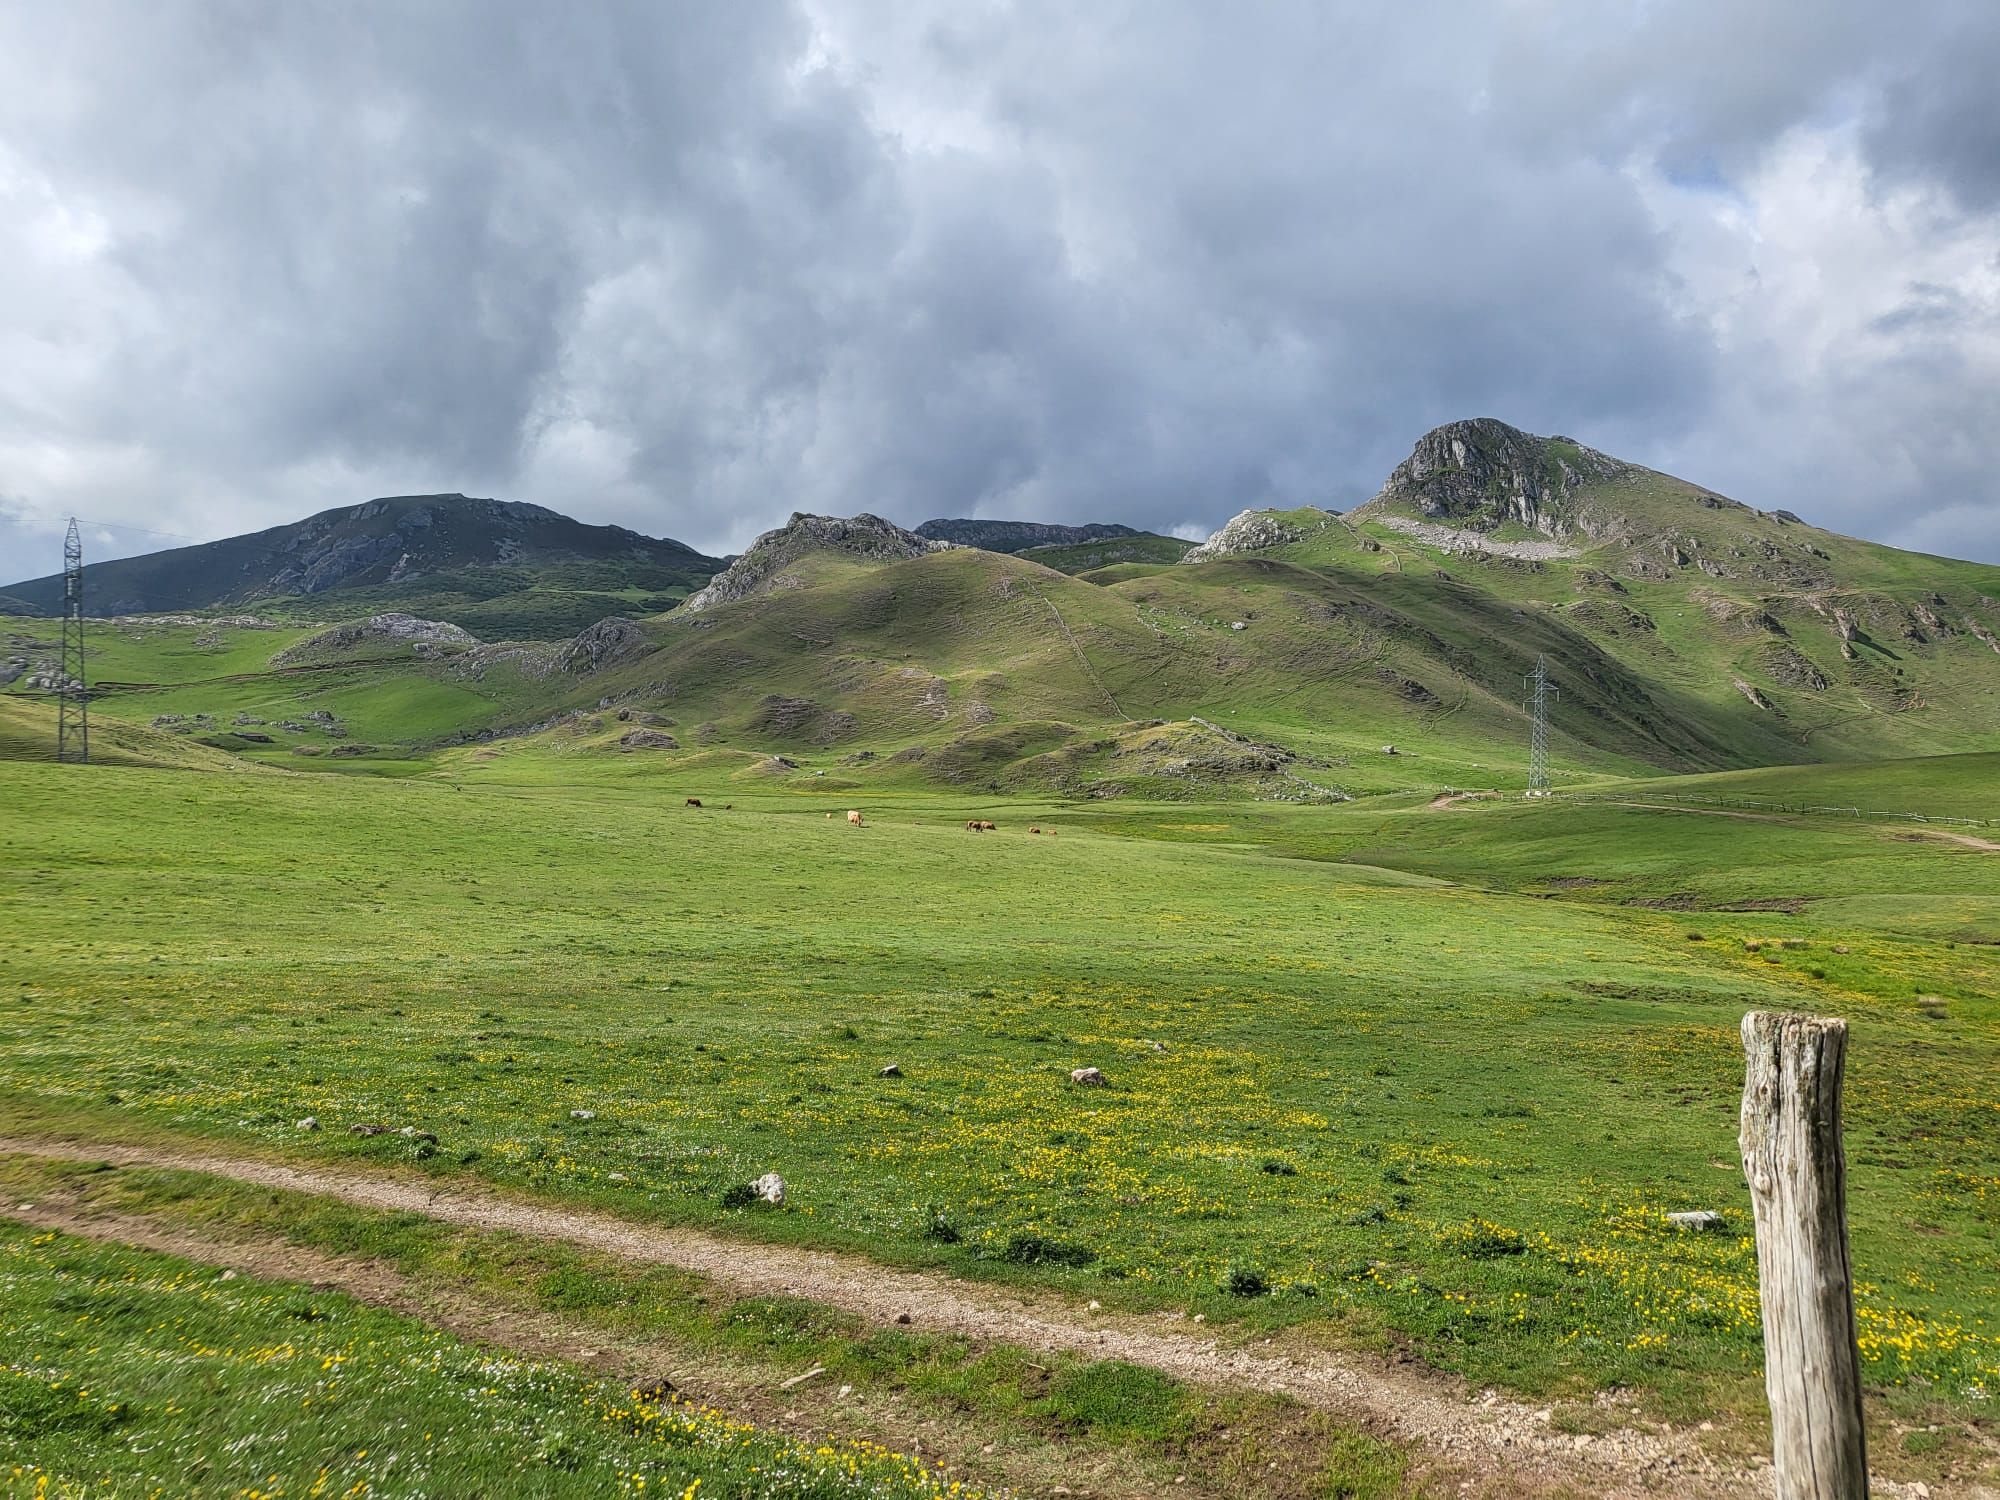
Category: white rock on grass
[583,1114]
[1089,1078]
[770,1187]
[308,1123]
[1700,1218]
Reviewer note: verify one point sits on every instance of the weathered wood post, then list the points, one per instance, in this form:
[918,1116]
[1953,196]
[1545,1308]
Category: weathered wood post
[1798,1186]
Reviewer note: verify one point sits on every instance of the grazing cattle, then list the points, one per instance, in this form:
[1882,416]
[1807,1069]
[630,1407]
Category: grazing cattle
[986,827]
[1033,828]
[972,825]
[693,802]
[729,807]
[853,818]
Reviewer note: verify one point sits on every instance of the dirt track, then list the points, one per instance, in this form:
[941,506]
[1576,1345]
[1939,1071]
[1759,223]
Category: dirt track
[1481,1433]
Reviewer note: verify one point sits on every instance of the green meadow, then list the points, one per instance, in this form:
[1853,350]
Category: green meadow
[138,1373]
[1379,1074]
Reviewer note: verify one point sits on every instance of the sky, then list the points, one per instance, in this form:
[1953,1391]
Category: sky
[691,267]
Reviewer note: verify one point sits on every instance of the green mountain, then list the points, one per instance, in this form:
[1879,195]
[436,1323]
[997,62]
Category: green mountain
[1295,654]
[492,566]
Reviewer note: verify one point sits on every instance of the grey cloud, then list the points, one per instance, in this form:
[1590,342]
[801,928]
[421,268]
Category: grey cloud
[690,268]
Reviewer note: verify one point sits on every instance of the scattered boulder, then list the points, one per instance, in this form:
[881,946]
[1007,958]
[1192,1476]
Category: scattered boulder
[368,1130]
[1699,1220]
[891,1071]
[1757,699]
[1088,1078]
[647,739]
[308,1123]
[411,1133]
[583,1114]
[770,1188]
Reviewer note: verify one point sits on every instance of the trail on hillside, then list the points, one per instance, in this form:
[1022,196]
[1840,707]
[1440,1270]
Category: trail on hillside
[1502,1438]
[1077,646]
[1969,840]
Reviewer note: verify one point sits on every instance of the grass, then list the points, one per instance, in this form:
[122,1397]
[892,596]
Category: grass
[1480,1104]
[132,1372]
[1052,1415]
[1085,557]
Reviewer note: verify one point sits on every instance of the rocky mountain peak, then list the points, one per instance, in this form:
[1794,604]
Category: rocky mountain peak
[1483,473]
[764,560]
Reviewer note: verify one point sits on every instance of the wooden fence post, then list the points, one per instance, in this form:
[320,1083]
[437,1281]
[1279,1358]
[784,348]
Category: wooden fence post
[1798,1186]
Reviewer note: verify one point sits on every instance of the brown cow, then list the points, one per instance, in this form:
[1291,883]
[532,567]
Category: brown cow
[692,802]
[972,825]
[1034,828]
[986,827]
[853,818]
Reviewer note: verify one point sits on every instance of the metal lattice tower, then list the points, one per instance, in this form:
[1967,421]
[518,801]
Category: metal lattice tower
[1541,690]
[73,715]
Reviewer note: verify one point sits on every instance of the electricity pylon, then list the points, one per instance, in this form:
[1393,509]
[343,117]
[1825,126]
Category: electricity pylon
[73,712]
[1541,690]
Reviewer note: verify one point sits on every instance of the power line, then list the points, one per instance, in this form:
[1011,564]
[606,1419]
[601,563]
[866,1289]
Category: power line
[123,526]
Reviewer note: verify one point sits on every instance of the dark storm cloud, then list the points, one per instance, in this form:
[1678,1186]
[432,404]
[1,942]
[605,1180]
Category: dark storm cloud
[690,268]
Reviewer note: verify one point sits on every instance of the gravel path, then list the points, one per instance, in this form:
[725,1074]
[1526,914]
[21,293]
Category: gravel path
[1481,1433]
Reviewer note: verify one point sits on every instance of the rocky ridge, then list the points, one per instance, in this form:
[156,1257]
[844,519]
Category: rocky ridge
[762,563]
[427,638]
[605,644]
[1247,531]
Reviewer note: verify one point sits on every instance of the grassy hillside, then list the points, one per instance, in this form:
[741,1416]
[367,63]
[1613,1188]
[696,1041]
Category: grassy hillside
[550,602]
[1308,656]
[1380,1090]
[28,733]
[218,682]
[1084,557]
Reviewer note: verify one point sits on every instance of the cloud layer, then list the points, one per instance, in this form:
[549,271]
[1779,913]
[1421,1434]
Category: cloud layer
[689,269]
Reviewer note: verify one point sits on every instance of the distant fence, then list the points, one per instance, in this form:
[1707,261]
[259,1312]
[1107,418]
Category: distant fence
[1767,804]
